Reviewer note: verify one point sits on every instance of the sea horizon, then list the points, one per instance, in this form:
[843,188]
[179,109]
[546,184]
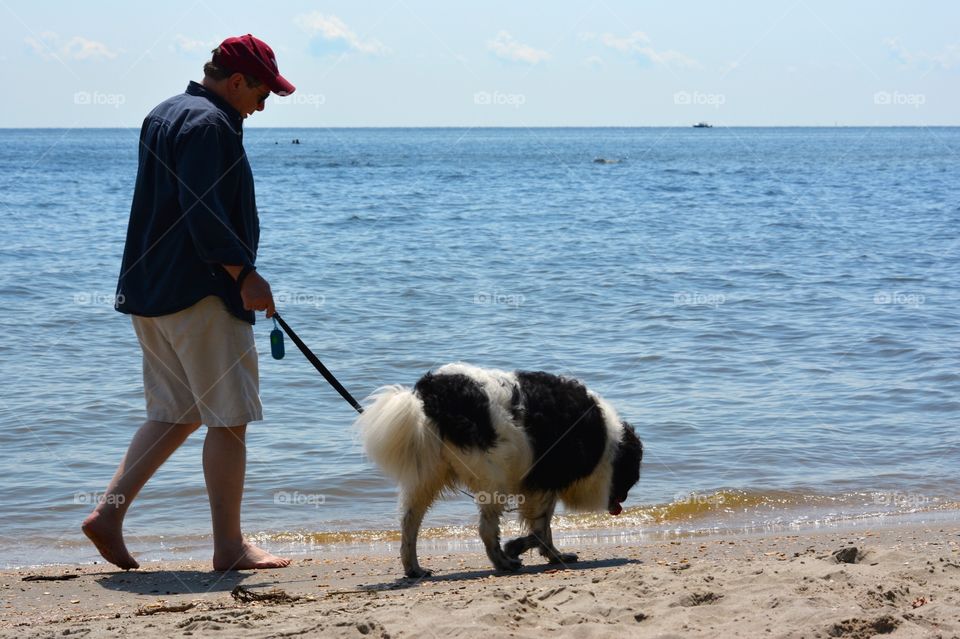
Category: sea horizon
[559,127]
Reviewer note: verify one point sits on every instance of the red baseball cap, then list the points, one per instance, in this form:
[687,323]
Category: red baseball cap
[246,54]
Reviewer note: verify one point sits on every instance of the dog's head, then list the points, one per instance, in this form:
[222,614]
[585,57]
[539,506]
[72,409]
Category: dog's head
[626,468]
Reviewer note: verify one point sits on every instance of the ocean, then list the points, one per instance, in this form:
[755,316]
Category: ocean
[776,310]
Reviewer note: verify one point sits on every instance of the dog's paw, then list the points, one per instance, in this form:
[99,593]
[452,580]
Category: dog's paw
[562,558]
[418,573]
[509,564]
[513,549]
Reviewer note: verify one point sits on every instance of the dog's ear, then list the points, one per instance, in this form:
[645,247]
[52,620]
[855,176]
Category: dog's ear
[626,463]
[630,440]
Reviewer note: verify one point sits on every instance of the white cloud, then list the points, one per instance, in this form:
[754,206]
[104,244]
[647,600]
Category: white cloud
[332,29]
[80,48]
[183,44]
[44,45]
[50,46]
[639,44]
[947,59]
[506,47]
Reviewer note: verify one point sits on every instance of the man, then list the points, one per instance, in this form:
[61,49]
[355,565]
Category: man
[189,282]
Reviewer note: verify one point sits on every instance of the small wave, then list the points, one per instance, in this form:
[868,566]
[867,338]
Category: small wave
[685,509]
[775,275]
[940,407]
[694,506]
[765,274]
[781,224]
[941,378]
[647,358]
[894,352]
[674,428]
[17,291]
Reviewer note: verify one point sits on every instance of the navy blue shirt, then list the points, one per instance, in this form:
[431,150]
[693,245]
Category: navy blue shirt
[194,208]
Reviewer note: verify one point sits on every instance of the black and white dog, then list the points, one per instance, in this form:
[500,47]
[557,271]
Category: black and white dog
[533,436]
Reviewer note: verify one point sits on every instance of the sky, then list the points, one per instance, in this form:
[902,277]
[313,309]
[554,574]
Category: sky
[519,63]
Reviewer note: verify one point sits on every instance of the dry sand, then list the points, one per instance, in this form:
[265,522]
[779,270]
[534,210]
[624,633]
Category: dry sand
[905,583]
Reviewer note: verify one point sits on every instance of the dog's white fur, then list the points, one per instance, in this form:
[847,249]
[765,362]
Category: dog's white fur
[398,438]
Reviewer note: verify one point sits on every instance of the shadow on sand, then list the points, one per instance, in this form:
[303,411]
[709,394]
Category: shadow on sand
[179,582]
[407,582]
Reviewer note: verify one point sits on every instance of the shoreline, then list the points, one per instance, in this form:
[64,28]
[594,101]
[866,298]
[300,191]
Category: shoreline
[157,549]
[906,582]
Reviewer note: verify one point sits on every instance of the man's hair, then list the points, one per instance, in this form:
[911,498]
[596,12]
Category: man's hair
[216,73]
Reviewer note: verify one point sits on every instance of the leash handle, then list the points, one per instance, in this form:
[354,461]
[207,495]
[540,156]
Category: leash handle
[327,375]
[276,342]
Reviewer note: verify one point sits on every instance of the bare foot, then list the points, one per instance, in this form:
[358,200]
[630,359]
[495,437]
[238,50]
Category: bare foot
[246,557]
[108,538]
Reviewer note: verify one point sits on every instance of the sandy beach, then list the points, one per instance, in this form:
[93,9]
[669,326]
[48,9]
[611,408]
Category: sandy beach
[897,581]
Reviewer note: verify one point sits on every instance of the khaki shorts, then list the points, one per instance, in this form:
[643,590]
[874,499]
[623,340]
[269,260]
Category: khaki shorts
[200,365]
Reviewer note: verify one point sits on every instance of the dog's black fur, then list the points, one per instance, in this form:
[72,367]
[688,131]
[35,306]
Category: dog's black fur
[533,435]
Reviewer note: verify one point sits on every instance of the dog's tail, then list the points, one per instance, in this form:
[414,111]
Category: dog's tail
[396,436]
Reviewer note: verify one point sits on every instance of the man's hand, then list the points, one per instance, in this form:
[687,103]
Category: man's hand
[256,294]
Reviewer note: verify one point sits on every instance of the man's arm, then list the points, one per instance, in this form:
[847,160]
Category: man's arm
[207,167]
[254,291]
[208,176]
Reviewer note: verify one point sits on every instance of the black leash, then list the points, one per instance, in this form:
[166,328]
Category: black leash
[327,375]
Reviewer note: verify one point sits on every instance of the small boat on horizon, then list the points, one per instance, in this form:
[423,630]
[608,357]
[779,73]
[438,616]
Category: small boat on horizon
[703,125]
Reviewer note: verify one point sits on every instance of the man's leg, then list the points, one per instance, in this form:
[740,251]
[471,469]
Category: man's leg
[224,467]
[152,444]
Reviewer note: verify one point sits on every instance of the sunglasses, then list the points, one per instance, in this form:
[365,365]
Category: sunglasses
[263,98]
